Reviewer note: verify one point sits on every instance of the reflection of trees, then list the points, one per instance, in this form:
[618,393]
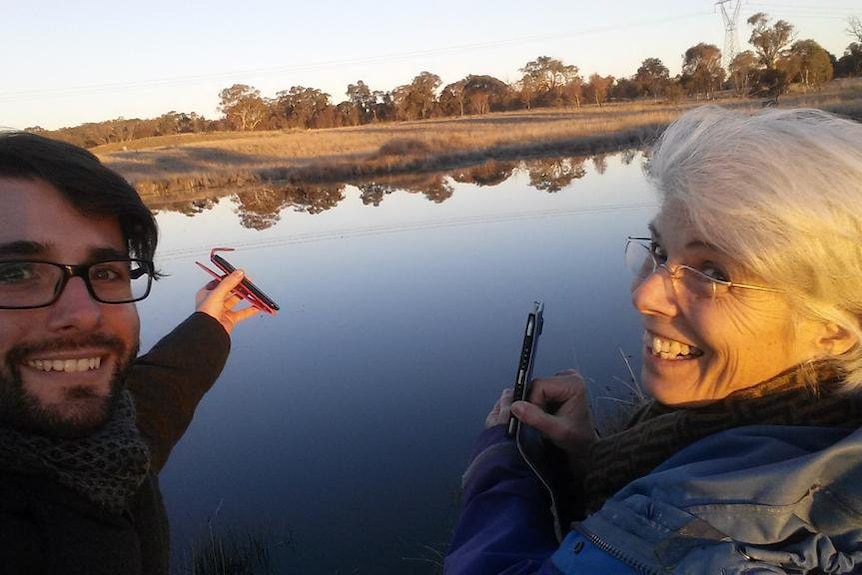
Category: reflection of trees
[259,209]
[435,187]
[488,174]
[628,156]
[437,190]
[600,163]
[553,174]
[372,194]
[313,199]
[189,208]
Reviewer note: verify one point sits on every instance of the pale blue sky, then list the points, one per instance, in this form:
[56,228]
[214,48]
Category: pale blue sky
[65,63]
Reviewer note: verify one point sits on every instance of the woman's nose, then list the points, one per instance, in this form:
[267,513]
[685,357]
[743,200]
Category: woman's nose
[654,294]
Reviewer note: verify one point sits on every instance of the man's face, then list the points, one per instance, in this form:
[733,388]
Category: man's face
[62,365]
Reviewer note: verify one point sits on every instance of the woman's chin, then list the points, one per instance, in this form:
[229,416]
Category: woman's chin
[670,381]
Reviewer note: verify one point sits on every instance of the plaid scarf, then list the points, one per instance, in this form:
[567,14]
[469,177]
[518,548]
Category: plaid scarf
[107,466]
[659,431]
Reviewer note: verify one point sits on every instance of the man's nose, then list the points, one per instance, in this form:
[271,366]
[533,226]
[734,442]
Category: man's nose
[655,294]
[75,308]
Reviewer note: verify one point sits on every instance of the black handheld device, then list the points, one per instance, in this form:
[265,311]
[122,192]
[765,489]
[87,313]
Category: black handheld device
[524,373]
[226,267]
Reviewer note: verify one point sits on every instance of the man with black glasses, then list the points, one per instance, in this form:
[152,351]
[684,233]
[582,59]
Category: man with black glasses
[85,424]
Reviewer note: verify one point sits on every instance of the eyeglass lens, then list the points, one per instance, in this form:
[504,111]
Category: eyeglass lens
[641,262]
[33,284]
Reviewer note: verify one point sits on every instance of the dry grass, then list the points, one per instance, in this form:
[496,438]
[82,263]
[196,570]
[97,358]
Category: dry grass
[185,163]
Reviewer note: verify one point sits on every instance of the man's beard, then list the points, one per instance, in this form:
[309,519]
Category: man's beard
[22,411]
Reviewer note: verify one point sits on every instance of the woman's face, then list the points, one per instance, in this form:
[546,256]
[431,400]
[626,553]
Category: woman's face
[700,349]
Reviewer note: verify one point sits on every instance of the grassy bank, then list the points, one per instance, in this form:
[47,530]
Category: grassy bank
[183,164]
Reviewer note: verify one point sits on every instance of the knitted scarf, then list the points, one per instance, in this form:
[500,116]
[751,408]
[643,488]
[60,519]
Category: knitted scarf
[107,466]
[659,431]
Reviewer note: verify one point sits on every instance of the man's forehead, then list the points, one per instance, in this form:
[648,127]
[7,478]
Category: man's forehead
[35,217]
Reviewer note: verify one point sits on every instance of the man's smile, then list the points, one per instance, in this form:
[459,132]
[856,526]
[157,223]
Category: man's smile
[67,365]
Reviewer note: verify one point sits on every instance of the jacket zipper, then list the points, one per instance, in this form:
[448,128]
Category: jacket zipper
[617,554]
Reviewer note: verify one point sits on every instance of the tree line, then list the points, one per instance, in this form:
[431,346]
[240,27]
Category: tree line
[775,61]
[261,208]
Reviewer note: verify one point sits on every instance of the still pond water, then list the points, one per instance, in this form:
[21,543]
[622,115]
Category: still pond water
[340,428]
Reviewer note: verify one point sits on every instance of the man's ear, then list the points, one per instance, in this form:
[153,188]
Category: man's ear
[836,340]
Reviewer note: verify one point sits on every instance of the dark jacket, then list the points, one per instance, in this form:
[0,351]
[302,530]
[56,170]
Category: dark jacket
[47,528]
[754,499]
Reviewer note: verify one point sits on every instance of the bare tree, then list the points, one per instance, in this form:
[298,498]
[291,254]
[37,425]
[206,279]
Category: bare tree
[854,28]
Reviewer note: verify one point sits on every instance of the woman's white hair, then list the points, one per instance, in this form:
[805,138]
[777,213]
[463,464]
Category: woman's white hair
[781,193]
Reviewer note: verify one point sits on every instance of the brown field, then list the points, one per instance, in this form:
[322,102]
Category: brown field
[182,164]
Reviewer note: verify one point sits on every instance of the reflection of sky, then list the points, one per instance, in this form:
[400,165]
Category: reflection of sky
[350,415]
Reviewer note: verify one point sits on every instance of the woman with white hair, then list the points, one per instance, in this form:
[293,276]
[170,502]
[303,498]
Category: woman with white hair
[749,456]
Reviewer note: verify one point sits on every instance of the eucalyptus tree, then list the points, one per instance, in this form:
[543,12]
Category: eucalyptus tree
[242,106]
[771,43]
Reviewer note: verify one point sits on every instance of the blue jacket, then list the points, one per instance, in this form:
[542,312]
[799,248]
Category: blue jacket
[755,499]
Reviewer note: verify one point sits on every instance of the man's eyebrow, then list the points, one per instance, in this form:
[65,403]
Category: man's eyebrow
[653,230]
[27,248]
[23,248]
[102,254]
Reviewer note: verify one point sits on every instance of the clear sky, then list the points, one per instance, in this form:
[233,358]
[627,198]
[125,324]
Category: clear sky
[65,63]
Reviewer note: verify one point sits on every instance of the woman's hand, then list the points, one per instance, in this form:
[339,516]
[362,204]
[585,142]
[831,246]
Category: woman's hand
[500,412]
[215,299]
[559,408]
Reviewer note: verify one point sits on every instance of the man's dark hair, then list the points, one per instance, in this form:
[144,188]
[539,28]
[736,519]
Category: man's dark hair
[92,188]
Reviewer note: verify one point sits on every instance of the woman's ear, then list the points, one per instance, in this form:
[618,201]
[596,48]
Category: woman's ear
[836,340]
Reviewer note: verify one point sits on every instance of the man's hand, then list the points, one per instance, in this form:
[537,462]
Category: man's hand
[216,300]
[559,408]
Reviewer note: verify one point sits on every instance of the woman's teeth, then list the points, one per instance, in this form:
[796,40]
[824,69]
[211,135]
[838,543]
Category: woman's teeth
[670,349]
[68,365]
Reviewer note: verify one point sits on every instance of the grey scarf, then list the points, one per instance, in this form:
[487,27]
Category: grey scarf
[107,466]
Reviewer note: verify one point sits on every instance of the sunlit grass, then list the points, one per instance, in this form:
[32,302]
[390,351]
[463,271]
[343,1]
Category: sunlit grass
[186,162]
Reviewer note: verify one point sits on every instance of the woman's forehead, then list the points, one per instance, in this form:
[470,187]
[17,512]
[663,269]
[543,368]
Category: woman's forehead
[673,220]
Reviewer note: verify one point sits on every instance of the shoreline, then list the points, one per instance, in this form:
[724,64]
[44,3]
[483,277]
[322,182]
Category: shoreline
[188,166]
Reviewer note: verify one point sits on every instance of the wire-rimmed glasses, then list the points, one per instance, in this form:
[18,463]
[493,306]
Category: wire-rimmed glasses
[641,261]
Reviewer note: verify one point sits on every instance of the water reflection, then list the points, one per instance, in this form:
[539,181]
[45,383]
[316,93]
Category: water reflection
[488,174]
[260,207]
[346,420]
[554,174]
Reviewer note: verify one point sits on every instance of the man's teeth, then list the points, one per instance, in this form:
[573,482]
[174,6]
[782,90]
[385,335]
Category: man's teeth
[670,349]
[68,365]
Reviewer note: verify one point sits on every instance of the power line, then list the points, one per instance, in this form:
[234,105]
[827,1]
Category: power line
[817,8]
[276,70]
[370,231]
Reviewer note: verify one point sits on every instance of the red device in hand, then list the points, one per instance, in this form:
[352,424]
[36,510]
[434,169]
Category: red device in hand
[246,289]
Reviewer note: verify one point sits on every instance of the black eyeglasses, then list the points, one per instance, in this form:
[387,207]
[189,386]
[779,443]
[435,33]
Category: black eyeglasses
[29,284]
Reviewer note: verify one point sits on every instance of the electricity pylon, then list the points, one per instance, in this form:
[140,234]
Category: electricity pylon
[730,14]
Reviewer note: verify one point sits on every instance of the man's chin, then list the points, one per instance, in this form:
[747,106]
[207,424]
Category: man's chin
[80,414]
